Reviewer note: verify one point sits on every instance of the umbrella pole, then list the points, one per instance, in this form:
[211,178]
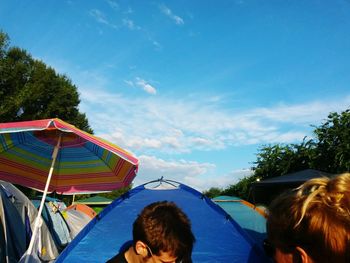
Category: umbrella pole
[73,199]
[38,218]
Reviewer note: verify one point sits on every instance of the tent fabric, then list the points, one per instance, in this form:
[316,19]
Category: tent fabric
[84,209]
[56,223]
[249,217]
[291,178]
[94,200]
[14,237]
[226,198]
[218,237]
[76,221]
[97,203]
[58,203]
[17,215]
[263,192]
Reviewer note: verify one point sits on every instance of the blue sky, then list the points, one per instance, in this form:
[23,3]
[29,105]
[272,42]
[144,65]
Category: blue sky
[194,88]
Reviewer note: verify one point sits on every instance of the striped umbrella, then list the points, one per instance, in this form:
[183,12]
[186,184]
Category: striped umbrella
[52,155]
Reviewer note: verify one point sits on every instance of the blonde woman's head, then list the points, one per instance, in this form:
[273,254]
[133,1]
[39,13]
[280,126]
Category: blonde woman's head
[314,217]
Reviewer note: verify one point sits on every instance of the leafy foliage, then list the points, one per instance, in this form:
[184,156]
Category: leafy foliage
[276,160]
[31,90]
[241,189]
[329,151]
[213,192]
[333,144]
[111,195]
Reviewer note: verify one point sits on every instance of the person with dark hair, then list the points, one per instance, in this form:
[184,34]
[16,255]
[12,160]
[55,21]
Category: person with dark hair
[161,233]
[311,223]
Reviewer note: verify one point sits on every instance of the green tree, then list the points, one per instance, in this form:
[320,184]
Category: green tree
[213,192]
[116,193]
[333,143]
[31,90]
[329,151]
[111,195]
[272,160]
[279,159]
[241,189]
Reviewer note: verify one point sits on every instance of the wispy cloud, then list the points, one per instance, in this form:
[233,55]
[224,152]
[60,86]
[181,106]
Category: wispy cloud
[128,11]
[205,181]
[185,125]
[200,176]
[294,113]
[165,10]
[146,86]
[129,83]
[154,126]
[183,171]
[157,45]
[143,84]
[113,4]
[130,24]
[101,18]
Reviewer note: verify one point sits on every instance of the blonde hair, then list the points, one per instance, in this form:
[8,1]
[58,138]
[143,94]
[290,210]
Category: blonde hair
[316,217]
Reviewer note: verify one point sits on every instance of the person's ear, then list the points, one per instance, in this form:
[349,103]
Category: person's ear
[141,249]
[300,256]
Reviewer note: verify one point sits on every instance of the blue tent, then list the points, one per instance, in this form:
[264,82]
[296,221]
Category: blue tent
[17,219]
[249,217]
[218,237]
[55,221]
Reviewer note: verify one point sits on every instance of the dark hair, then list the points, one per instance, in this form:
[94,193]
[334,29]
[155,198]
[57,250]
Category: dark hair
[165,227]
[316,217]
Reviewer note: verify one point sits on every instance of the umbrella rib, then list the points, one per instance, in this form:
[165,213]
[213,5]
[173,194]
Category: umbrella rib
[100,157]
[6,147]
[94,154]
[86,157]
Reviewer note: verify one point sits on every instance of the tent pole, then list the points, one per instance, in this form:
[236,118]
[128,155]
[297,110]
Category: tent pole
[73,199]
[38,218]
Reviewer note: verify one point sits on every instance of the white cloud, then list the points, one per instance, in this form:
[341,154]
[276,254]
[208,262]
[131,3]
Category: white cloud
[178,20]
[167,125]
[101,18]
[165,10]
[128,11]
[306,113]
[152,168]
[157,45]
[287,137]
[146,86]
[130,24]
[142,84]
[205,182]
[200,176]
[113,4]
[129,82]
[205,143]
[162,126]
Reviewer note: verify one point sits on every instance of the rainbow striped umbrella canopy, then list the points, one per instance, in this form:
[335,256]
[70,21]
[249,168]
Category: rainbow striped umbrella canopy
[84,162]
[52,155]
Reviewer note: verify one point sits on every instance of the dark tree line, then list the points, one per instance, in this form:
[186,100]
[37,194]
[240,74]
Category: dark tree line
[30,90]
[328,151]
